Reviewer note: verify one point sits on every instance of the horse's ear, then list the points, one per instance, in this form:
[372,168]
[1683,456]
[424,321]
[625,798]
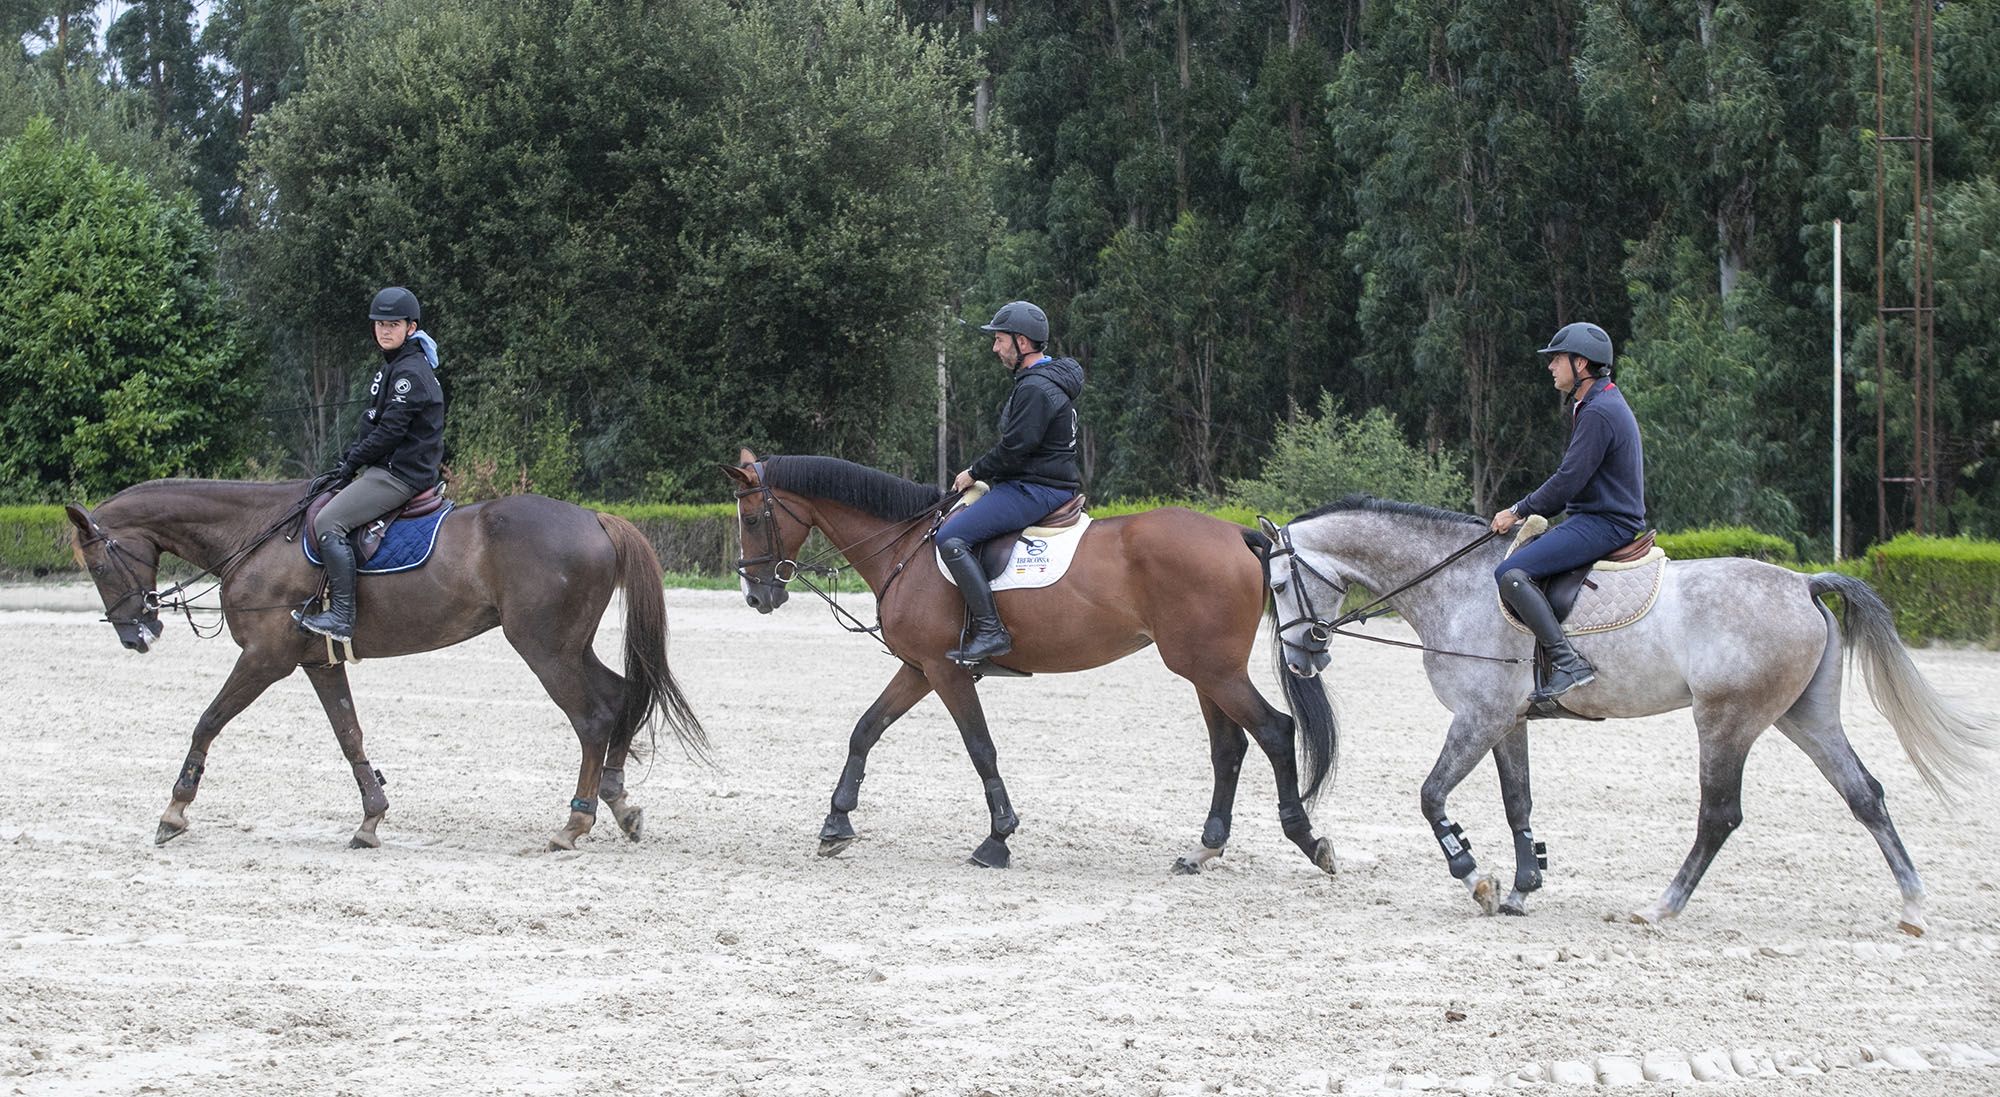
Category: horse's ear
[744,475]
[80,518]
[745,458]
[1269,527]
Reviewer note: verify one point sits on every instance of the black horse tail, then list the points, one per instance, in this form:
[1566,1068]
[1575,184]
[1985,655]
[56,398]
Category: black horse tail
[650,689]
[1316,725]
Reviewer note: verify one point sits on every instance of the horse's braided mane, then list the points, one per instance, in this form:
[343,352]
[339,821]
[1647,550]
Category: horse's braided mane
[881,494]
[1363,501]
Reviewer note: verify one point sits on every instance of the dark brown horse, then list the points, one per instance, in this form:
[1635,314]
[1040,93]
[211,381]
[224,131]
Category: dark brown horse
[1191,584]
[540,569]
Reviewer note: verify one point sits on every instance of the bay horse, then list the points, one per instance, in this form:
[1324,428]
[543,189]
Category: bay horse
[541,569]
[1747,644]
[1191,584]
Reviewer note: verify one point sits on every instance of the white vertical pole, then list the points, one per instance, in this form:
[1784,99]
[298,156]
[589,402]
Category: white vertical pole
[1836,390]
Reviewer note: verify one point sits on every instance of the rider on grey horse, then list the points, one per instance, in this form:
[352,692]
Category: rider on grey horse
[1601,484]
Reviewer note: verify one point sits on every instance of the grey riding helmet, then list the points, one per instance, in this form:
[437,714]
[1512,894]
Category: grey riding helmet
[395,303]
[1021,318]
[1582,338]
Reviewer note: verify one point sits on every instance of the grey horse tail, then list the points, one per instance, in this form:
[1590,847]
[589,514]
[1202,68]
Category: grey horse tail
[1949,746]
[1317,726]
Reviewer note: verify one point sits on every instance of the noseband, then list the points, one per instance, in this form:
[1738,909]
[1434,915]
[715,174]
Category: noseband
[1320,635]
[782,570]
[128,565]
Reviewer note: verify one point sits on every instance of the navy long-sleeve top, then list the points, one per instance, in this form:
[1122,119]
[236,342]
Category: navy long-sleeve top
[1604,469]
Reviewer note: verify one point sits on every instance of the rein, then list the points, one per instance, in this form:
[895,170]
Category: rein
[783,570]
[170,599]
[1324,630]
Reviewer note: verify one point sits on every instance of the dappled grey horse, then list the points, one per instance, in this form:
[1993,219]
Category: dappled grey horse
[1747,644]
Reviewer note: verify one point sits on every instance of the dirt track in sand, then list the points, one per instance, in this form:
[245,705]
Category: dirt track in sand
[258,955]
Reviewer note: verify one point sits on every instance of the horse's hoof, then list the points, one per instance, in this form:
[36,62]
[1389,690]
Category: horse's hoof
[992,853]
[633,823]
[167,832]
[1914,929]
[561,842]
[1644,918]
[364,840]
[1486,894]
[834,847]
[1322,856]
[1186,866]
[1514,907]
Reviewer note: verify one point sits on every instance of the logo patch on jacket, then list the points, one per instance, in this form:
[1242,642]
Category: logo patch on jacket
[402,386]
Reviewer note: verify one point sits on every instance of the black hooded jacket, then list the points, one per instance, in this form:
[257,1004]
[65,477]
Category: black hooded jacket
[1038,428]
[403,428]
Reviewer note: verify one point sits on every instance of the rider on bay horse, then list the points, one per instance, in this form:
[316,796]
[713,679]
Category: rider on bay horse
[1030,471]
[1601,484]
[395,453]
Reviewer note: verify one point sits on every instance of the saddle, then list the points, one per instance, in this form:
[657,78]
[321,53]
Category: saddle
[368,540]
[996,554]
[1563,589]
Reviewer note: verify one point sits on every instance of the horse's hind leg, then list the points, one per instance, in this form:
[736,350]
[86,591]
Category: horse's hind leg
[331,685]
[903,692]
[1276,737]
[247,680]
[1227,744]
[1468,740]
[1726,736]
[589,693]
[1813,722]
[611,792]
[1510,758]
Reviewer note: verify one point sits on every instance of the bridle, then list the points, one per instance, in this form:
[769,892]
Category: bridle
[784,570]
[1322,631]
[152,601]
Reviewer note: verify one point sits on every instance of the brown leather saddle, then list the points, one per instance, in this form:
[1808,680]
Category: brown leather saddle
[995,555]
[368,539]
[1562,590]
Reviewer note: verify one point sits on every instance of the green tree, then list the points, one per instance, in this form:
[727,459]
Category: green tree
[1318,458]
[114,348]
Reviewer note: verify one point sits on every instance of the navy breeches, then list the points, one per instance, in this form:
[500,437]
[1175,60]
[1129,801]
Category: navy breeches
[1010,505]
[1580,539]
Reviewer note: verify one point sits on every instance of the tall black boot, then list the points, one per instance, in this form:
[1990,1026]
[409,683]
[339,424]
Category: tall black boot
[337,554]
[1567,669]
[988,638]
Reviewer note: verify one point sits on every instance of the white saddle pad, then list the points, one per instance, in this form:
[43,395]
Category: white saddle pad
[1041,555]
[1622,594]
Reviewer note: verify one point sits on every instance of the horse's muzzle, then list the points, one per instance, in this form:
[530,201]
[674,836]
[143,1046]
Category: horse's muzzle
[139,635]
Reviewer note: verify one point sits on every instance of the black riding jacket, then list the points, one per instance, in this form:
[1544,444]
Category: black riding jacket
[1038,428]
[403,428]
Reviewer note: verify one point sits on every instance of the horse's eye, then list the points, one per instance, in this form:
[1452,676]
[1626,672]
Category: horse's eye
[1278,585]
[750,521]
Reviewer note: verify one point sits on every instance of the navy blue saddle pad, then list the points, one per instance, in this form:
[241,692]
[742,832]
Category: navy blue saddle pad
[408,543]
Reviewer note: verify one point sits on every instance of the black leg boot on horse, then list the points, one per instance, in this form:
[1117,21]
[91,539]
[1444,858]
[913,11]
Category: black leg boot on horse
[1567,669]
[337,554]
[987,638]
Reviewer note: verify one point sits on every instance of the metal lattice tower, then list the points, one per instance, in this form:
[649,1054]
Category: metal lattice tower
[1918,315]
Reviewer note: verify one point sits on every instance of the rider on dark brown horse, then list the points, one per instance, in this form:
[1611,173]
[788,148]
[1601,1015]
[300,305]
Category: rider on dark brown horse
[394,455]
[1601,484]
[1030,471]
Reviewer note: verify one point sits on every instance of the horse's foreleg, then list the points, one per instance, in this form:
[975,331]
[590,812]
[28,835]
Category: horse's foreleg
[1464,745]
[956,689]
[1725,744]
[1227,744]
[1510,758]
[902,694]
[247,680]
[331,685]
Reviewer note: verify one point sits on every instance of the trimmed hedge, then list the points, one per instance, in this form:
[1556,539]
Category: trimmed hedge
[34,541]
[1942,588]
[1703,544]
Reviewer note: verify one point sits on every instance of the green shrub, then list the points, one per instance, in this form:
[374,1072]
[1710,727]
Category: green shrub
[1228,512]
[1701,544]
[1318,458]
[1942,588]
[34,541]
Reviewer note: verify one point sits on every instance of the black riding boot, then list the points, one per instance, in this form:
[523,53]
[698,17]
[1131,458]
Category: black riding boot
[988,638]
[337,554]
[1567,669]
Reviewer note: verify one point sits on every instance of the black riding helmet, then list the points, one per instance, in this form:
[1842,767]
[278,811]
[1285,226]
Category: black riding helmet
[1023,318]
[1583,338]
[395,303]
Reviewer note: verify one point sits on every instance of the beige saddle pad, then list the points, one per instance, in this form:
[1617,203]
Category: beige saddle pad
[1615,595]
